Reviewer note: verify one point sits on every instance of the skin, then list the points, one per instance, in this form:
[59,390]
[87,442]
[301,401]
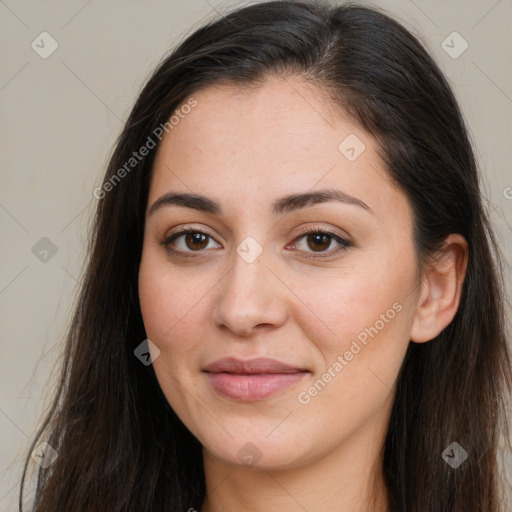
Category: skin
[245,148]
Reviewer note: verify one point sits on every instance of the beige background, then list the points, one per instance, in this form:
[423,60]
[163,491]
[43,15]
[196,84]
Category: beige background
[60,117]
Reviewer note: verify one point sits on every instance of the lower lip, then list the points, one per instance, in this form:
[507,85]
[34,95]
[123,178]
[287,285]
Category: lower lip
[256,386]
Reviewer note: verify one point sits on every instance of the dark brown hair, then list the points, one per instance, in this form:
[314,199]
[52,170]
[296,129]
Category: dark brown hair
[121,447]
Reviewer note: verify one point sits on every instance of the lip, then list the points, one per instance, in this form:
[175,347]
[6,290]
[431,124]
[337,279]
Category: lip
[254,379]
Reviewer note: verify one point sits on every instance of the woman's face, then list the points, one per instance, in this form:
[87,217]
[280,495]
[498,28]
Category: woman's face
[249,282]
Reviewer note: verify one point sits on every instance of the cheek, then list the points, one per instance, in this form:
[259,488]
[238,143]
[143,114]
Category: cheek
[171,310]
[362,335]
[355,304]
[359,356]
[168,298]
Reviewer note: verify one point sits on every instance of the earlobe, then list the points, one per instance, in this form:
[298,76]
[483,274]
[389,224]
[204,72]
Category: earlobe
[441,290]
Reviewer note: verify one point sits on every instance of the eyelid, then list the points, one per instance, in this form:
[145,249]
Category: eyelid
[323,229]
[189,227]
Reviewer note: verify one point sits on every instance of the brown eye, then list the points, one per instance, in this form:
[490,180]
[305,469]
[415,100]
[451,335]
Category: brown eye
[196,241]
[187,242]
[319,241]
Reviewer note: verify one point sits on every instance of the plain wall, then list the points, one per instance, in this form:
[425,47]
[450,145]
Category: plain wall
[61,114]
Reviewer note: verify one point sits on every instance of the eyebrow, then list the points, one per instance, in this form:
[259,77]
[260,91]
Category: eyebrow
[282,205]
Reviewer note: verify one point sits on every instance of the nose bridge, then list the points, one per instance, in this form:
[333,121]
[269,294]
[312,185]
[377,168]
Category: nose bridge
[249,295]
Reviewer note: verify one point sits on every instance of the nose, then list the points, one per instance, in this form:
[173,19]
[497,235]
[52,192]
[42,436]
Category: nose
[250,298]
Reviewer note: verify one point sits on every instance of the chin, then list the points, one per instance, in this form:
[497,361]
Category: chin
[260,452]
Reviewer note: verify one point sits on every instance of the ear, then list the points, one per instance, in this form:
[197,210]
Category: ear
[440,290]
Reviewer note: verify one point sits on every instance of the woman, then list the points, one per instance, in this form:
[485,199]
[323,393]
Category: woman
[293,299]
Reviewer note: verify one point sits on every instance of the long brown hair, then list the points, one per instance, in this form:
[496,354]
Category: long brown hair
[120,445]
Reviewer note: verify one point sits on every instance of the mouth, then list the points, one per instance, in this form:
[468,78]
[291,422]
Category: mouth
[251,380]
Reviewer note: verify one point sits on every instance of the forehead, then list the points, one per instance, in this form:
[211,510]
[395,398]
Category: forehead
[257,144]
[287,115]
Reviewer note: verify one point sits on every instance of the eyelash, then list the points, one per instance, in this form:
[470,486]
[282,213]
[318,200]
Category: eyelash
[180,254]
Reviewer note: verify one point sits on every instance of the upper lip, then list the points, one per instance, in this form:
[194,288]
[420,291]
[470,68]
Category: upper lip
[258,365]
